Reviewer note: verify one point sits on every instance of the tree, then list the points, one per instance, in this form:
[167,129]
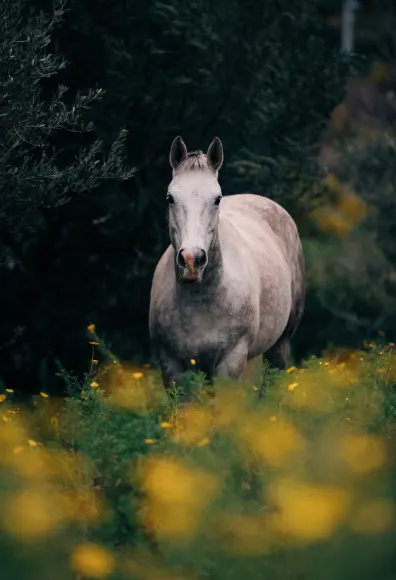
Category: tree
[37,178]
[263,76]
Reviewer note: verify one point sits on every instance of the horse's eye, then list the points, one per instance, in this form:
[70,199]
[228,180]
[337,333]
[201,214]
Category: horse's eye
[169,199]
[218,200]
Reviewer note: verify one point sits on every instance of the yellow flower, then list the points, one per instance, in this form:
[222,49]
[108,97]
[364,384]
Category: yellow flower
[149,441]
[166,425]
[93,342]
[54,420]
[92,560]
[10,390]
[205,441]
[254,388]
[273,419]
[137,375]
[32,443]
[5,418]
[31,515]
[362,453]
[94,384]
[292,386]
[94,361]
[291,369]
[193,361]
[308,512]
[44,395]
[2,398]
[91,328]
[176,497]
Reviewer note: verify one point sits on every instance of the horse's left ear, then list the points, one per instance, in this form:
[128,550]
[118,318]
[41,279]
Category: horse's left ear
[215,154]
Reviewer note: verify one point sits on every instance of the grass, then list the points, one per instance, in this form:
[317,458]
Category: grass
[120,482]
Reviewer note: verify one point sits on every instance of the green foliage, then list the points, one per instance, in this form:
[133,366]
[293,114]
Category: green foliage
[34,173]
[298,485]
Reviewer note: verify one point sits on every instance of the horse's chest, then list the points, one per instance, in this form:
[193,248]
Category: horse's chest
[208,330]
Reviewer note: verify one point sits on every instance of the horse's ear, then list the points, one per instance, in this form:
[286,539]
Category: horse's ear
[178,152]
[215,154]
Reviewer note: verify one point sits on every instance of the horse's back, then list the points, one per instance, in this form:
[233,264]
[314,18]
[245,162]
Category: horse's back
[257,217]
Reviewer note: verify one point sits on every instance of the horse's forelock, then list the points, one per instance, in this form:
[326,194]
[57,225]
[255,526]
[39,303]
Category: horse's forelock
[195,160]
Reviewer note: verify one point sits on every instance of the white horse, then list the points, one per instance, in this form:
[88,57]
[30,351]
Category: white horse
[231,284]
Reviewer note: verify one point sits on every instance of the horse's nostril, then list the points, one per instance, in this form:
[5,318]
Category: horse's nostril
[201,258]
[180,258]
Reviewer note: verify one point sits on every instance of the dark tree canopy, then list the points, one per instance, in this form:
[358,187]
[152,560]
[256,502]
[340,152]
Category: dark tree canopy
[263,76]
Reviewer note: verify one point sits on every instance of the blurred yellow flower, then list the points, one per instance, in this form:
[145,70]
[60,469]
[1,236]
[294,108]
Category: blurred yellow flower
[166,425]
[44,395]
[126,389]
[93,342]
[276,442]
[91,328]
[94,384]
[193,361]
[2,398]
[92,560]
[192,427]
[32,443]
[176,496]
[362,453]
[149,441]
[94,361]
[10,390]
[29,515]
[308,512]
[291,369]
[292,386]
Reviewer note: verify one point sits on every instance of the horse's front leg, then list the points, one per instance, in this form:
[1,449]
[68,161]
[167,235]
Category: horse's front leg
[234,363]
[171,370]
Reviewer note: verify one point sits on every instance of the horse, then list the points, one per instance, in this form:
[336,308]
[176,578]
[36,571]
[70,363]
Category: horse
[231,284]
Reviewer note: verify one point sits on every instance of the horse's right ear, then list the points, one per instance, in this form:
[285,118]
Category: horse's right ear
[178,152]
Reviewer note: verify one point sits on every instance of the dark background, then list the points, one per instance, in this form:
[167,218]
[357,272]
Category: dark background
[80,233]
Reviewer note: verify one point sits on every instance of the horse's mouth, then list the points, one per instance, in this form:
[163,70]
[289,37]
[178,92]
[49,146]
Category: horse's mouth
[189,276]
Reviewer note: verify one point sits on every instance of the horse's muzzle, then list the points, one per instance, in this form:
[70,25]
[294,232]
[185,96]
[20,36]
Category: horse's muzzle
[191,263]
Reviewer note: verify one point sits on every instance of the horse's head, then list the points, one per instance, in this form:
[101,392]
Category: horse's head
[194,196]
